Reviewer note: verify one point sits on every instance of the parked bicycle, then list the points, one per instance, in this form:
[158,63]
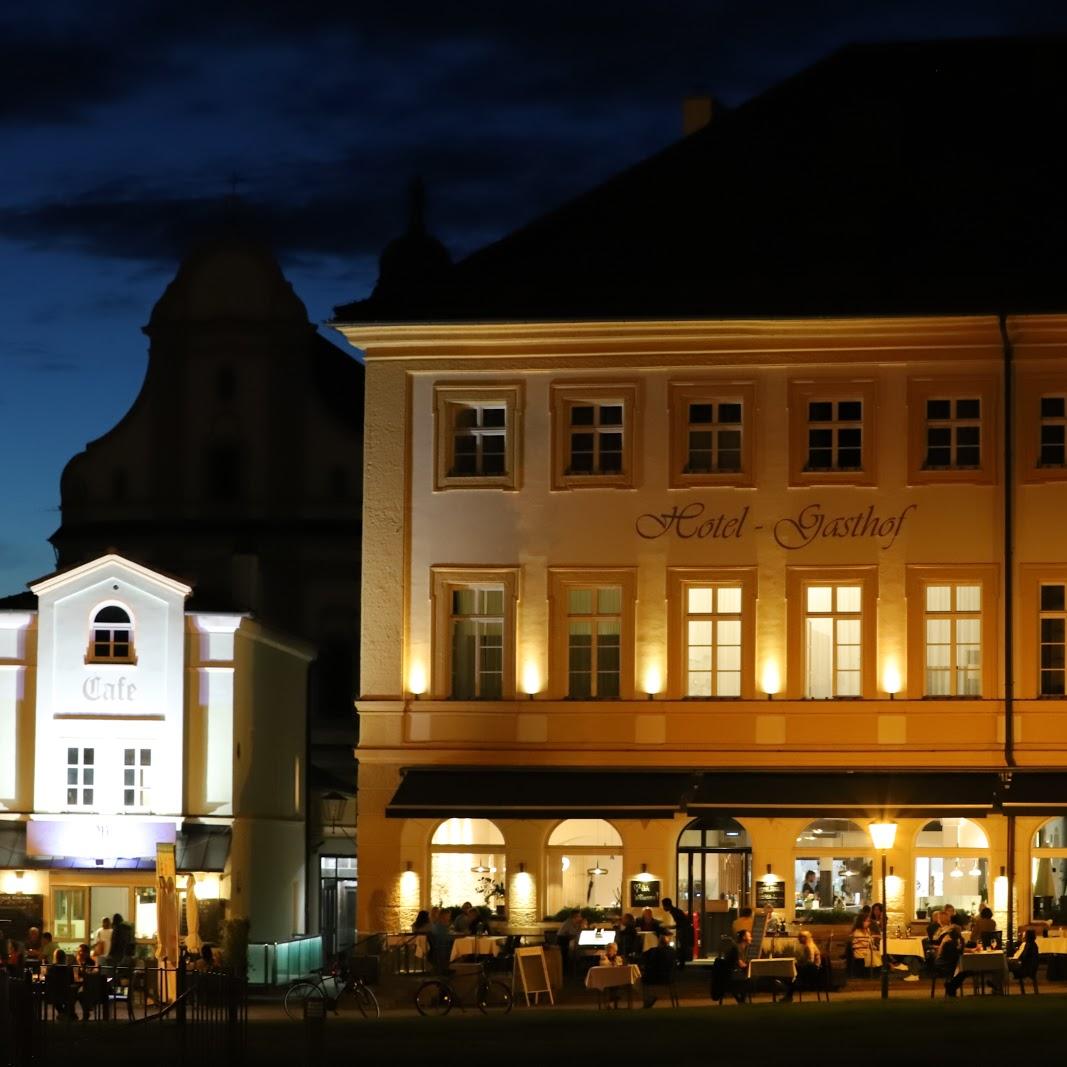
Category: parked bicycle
[338,988]
[439,996]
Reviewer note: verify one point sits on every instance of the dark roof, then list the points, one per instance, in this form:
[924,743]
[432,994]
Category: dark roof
[25,601]
[886,179]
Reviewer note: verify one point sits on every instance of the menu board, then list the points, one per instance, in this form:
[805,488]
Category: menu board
[644,894]
[770,894]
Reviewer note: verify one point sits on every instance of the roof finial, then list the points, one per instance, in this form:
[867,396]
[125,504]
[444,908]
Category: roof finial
[417,205]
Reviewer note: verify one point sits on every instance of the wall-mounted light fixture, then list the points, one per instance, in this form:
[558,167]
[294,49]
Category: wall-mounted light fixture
[531,680]
[409,866]
[891,679]
[653,680]
[522,868]
[771,679]
[417,680]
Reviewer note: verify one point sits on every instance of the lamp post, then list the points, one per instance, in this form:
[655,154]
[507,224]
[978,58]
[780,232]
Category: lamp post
[883,834]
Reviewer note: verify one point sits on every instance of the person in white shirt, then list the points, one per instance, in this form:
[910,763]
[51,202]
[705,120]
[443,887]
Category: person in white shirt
[102,939]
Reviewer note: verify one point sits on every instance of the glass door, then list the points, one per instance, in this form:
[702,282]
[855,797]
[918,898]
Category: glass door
[70,908]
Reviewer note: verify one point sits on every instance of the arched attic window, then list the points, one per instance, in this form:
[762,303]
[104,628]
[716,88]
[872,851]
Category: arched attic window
[111,635]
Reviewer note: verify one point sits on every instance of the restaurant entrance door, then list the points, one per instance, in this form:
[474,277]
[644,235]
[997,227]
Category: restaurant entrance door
[714,877]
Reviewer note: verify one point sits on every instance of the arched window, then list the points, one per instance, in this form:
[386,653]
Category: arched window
[1048,871]
[467,863]
[950,867]
[833,865]
[111,635]
[584,866]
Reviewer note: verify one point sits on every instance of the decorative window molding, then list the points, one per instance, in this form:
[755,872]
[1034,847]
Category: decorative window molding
[111,635]
[712,433]
[953,431]
[1041,427]
[595,435]
[1041,639]
[833,432]
[478,435]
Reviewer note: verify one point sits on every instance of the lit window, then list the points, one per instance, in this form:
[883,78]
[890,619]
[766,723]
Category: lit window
[713,437]
[477,624]
[111,635]
[1053,623]
[594,637]
[1053,431]
[835,435]
[479,440]
[953,637]
[137,769]
[713,641]
[81,768]
[596,438]
[832,632]
[953,434]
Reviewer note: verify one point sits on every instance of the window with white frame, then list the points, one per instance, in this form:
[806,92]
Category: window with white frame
[594,642]
[713,436]
[595,437]
[1053,637]
[111,634]
[835,435]
[832,635]
[477,627]
[136,778]
[81,774]
[1052,450]
[479,439]
[713,641]
[953,639]
[953,433]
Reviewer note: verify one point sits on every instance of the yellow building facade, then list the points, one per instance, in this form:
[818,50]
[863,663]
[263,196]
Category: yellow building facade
[691,603]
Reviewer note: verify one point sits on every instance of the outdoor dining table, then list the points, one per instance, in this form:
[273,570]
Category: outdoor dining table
[778,972]
[482,945]
[905,946]
[782,946]
[985,964]
[1051,946]
[601,978]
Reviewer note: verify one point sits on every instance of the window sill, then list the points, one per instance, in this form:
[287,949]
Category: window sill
[91,662]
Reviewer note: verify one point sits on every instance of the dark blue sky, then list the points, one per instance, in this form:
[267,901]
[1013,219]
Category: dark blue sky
[122,122]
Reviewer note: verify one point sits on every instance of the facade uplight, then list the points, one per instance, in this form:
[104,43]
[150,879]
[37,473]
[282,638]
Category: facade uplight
[771,679]
[891,682]
[417,679]
[653,680]
[531,679]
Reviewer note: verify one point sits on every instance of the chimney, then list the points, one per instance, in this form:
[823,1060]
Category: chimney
[697,112]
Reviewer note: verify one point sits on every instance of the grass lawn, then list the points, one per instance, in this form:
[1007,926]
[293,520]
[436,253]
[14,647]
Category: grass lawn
[978,1029]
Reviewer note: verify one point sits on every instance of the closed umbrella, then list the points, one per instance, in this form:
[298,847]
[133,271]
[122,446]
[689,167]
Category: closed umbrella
[166,918]
[1043,884]
[192,917]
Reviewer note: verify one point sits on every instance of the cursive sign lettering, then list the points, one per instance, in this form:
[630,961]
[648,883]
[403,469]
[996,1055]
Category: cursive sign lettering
[95,688]
[813,523]
[689,521]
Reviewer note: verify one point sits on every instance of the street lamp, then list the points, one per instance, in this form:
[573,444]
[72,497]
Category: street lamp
[883,834]
[333,808]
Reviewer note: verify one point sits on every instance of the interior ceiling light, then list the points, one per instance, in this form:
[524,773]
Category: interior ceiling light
[956,872]
[480,869]
[975,871]
[597,870]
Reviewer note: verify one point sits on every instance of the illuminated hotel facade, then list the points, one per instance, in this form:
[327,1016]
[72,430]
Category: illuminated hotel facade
[128,722]
[718,514]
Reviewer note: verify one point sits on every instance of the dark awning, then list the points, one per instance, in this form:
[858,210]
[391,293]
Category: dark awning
[1035,792]
[846,794]
[431,793]
[202,848]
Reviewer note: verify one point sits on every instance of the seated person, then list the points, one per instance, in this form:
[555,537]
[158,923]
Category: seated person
[568,933]
[742,922]
[736,964]
[1024,965]
[658,967]
[937,920]
[877,918]
[34,948]
[609,956]
[465,918]
[808,957]
[440,940]
[421,925]
[59,986]
[947,961]
[983,927]
[648,923]
[626,936]
[863,945]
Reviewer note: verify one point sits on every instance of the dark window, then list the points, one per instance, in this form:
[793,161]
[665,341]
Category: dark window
[596,438]
[713,437]
[953,434]
[479,441]
[1052,450]
[1053,634]
[835,435]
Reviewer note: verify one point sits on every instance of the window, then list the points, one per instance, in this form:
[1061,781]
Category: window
[477,436]
[594,637]
[1052,450]
[592,627]
[1053,622]
[474,633]
[467,862]
[584,860]
[477,626]
[953,433]
[593,436]
[111,636]
[711,433]
[80,777]
[713,641]
[951,865]
[1048,871]
[953,638]
[137,770]
[832,638]
[832,866]
[835,435]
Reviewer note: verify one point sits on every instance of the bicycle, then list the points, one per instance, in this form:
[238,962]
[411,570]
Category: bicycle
[439,996]
[332,988]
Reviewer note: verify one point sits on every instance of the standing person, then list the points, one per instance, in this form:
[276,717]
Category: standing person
[440,938]
[121,941]
[568,933]
[102,939]
[683,931]
[658,965]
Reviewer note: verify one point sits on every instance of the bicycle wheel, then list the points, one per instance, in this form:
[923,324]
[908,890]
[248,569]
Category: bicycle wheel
[296,995]
[495,997]
[366,1001]
[433,998]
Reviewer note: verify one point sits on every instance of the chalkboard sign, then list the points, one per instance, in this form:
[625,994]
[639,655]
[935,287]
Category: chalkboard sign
[18,912]
[770,894]
[644,894]
[533,973]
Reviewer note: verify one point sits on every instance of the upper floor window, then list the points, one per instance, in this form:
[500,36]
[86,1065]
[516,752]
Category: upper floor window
[835,435]
[111,636]
[136,772]
[713,437]
[1053,639]
[594,642]
[953,639]
[833,653]
[711,432]
[713,641]
[477,439]
[477,624]
[953,433]
[594,436]
[1052,450]
[81,773]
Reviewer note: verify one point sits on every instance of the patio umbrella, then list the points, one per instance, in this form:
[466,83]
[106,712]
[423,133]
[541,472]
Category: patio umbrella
[166,918]
[1043,884]
[192,917]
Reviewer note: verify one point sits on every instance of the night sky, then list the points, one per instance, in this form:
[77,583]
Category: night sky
[125,125]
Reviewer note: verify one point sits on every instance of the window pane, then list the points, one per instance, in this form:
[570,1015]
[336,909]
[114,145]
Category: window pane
[939,598]
[820,598]
[1052,407]
[611,415]
[1052,629]
[938,409]
[699,683]
[699,600]
[850,410]
[494,417]
[464,601]
[581,415]
[492,601]
[819,641]
[968,631]
[848,631]
[968,598]
[128,757]
[728,658]
[729,632]
[580,601]
[464,634]
[968,409]
[820,411]
[729,413]
[729,597]
[700,413]
[700,632]
[699,658]
[848,598]
[609,600]
[728,683]
[1052,598]
[938,631]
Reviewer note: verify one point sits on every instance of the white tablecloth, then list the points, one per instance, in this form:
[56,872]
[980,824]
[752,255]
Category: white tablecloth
[995,963]
[905,946]
[1052,946]
[773,968]
[606,977]
[476,946]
